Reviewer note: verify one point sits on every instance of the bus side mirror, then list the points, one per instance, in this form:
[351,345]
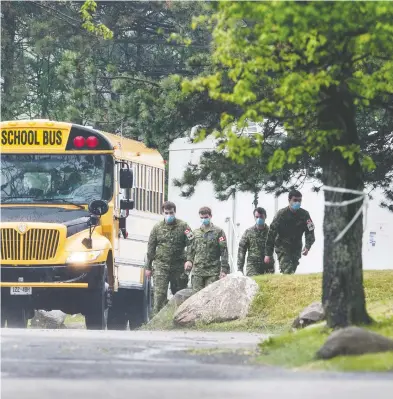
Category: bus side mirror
[98,207]
[126,205]
[126,178]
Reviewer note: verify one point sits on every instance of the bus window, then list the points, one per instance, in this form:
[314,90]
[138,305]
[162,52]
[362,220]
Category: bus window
[37,183]
[78,178]
[148,188]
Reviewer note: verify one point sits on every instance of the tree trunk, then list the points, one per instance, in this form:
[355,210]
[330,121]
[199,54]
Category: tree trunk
[80,88]
[342,291]
[256,199]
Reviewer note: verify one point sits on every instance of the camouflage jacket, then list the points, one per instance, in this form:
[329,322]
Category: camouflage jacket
[167,243]
[253,241]
[287,228]
[208,251]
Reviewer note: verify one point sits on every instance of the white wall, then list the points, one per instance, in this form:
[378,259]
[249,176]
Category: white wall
[379,220]
[181,152]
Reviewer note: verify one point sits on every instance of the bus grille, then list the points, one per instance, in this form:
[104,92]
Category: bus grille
[35,244]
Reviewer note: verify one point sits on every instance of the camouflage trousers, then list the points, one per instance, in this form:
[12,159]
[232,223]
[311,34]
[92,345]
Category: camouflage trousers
[162,276]
[288,260]
[257,268]
[200,282]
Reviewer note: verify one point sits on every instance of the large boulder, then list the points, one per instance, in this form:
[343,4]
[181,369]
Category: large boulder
[353,341]
[164,318]
[53,319]
[224,300]
[312,314]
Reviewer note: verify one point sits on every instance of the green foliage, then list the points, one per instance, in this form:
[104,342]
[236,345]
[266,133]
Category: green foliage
[303,55]
[57,69]
[88,8]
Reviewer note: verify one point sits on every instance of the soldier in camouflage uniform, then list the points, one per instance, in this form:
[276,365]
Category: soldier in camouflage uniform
[208,253]
[286,232]
[253,241]
[166,247]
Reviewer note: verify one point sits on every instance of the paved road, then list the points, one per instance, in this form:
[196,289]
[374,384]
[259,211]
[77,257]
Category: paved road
[114,364]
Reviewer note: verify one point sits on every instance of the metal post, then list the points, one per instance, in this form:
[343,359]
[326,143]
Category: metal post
[233,230]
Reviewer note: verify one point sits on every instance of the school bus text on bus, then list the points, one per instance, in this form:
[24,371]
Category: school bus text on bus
[31,137]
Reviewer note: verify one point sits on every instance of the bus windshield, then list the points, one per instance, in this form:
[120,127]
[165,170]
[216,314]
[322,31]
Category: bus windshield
[55,178]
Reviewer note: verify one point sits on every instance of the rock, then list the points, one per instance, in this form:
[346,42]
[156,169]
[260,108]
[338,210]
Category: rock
[353,341]
[317,325]
[52,319]
[224,300]
[181,296]
[164,318]
[313,313]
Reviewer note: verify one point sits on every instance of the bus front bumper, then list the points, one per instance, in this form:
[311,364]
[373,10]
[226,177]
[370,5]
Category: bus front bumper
[52,276]
[49,287]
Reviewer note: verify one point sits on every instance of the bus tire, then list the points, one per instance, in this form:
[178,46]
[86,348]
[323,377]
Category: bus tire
[140,309]
[117,316]
[95,313]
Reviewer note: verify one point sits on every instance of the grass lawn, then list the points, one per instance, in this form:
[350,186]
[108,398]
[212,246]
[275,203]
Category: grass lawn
[282,297]
[297,350]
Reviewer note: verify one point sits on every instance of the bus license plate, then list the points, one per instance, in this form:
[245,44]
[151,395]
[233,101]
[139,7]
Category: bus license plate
[21,290]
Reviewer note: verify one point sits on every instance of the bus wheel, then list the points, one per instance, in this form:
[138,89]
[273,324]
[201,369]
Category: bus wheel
[141,307]
[95,313]
[135,316]
[117,318]
[16,317]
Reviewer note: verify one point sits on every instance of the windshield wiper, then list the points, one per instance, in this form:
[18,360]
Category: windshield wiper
[42,199]
[62,200]
[3,199]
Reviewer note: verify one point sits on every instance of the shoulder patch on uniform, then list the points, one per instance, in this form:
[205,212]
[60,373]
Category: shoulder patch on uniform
[189,234]
[310,225]
[221,239]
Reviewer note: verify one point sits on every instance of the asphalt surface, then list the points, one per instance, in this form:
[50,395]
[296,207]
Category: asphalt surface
[56,364]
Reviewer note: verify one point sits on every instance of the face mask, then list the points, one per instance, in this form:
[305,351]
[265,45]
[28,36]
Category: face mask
[260,221]
[295,206]
[205,221]
[169,218]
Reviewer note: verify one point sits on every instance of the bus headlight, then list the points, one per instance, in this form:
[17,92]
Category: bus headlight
[83,257]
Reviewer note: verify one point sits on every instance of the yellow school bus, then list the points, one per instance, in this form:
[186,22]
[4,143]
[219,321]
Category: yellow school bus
[77,207]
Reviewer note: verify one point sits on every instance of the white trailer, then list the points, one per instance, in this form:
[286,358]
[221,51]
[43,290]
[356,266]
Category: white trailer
[236,214]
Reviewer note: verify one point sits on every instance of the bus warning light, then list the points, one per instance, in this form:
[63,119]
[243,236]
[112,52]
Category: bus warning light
[92,142]
[79,141]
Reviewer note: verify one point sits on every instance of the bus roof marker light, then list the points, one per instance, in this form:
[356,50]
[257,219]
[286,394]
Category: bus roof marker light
[92,142]
[79,141]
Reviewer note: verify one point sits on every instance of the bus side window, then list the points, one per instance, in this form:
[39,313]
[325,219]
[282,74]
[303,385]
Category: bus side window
[108,180]
[149,191]
[136,185]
